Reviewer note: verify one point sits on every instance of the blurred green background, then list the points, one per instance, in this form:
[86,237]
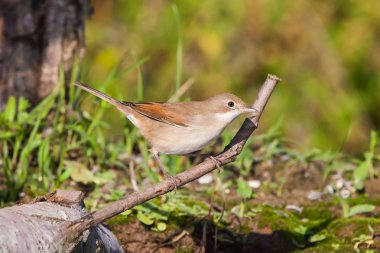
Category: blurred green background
[326,52]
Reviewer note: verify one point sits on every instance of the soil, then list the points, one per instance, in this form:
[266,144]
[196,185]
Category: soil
[247,234]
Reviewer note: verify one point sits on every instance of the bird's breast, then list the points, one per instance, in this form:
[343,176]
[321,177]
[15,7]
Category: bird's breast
[181,140]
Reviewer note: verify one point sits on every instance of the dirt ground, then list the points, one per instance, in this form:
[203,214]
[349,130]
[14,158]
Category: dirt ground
[249,234]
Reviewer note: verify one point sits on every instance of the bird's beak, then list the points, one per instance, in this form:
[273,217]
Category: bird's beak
[250,110]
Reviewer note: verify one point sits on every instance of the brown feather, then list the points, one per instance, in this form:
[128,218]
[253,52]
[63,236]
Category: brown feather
[158,112]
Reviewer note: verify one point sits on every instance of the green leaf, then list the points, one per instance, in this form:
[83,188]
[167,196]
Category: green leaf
[362,172]
[373,142]
[7,134]
[126,213]
[161,226]
[370,229]
[10,110]
[244,190]
[66,174]
[317,238]
[300,229]
[43,153]
[104,177]
[144,218]
[179,53]
[364,208]
[74,76]
[345,207]
[79,172]
[23,104]
[7,171]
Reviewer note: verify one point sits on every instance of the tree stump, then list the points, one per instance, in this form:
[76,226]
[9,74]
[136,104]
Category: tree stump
[39,227]
[36,37]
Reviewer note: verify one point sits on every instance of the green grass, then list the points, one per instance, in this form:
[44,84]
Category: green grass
[58,144]
[65,143]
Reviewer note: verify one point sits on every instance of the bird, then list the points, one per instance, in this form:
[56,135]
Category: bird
[179,128]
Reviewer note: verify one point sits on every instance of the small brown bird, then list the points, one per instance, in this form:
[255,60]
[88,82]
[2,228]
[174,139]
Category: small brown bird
[179,128]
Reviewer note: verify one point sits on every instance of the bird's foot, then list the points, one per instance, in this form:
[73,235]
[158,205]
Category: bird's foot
[217,162]
[172,180]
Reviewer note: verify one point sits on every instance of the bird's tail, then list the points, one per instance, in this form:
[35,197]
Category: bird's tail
[99,94]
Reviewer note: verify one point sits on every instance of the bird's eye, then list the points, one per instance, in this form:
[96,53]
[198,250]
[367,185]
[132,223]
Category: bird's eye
[231,104]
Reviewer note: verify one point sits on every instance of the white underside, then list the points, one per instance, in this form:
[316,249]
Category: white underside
[190,139]
[185,140]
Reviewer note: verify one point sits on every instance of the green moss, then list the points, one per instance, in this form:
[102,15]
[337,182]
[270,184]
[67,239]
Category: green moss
[345,229]
[336,248]
[318,211]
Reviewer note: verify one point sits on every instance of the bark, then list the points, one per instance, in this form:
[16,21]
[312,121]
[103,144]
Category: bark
[36,37]
[34,227]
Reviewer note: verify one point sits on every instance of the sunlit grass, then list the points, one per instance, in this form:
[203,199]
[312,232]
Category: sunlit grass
[64,141]
[59,145]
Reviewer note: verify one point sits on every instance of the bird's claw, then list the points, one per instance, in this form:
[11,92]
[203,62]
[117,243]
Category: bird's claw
[217,162]
[172,180]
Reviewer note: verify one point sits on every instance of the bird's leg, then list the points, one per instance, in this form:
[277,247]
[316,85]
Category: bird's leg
[217,162]
[164,171]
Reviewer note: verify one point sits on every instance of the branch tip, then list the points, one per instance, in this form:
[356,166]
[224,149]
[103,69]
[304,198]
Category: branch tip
[274,77]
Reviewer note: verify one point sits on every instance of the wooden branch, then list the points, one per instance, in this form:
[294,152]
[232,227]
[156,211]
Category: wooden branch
[78,226]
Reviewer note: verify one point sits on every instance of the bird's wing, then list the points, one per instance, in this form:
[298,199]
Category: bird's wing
[161,112]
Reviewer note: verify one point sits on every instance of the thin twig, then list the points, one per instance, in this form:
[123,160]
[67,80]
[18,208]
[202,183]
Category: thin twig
[228,155]
[181,90]
[175,239]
